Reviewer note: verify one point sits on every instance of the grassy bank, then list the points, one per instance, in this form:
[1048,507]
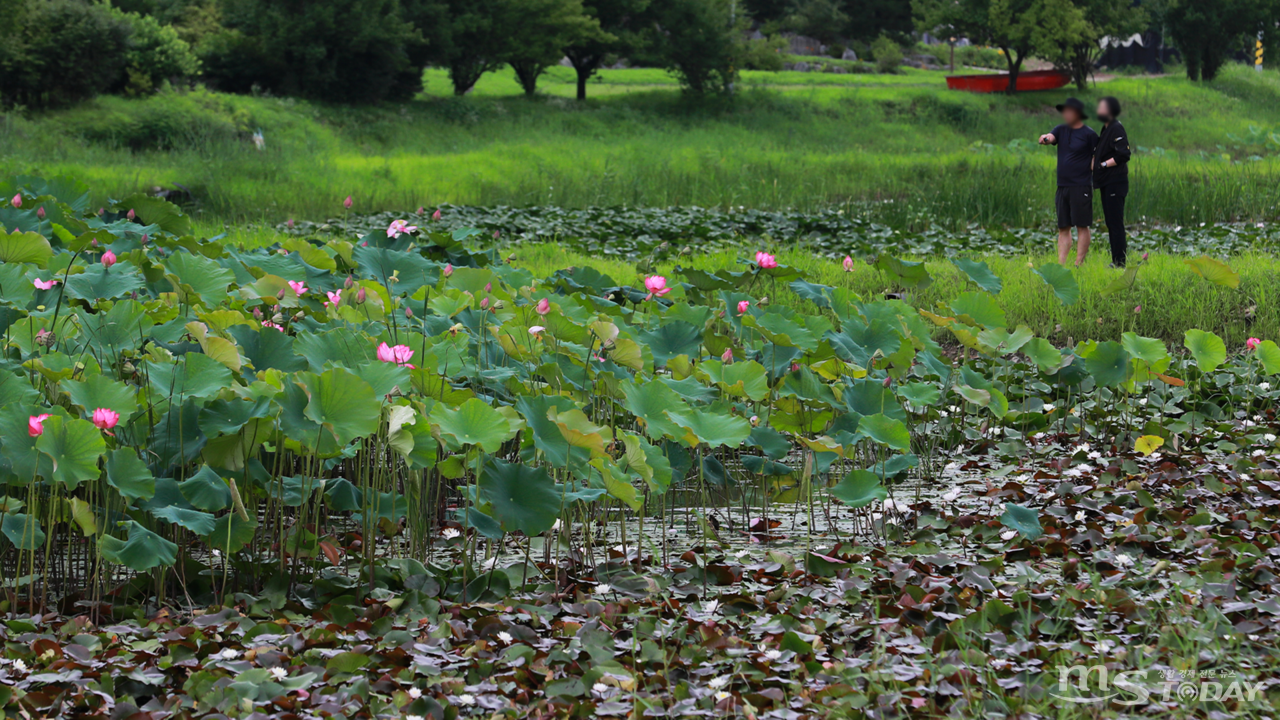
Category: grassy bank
[899,147]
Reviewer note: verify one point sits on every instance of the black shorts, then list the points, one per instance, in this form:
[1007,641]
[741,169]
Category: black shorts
[1075,207]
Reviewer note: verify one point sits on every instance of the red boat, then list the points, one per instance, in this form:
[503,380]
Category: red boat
[999,82]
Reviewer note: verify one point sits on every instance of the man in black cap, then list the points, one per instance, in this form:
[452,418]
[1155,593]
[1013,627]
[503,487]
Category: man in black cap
[1111,175]
[1076,145]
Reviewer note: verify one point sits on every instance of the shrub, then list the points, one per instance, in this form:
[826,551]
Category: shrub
[764,54]
[165,121]
[888,55]
[156,54]
[63,51]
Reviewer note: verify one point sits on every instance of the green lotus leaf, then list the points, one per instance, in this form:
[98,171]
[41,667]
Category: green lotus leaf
[129,475]
[671,340]
[474,423]
[1215,271]
[980,274]
[1061,280]
[905,273]
[1268,353]
[650,403]
[100,391]
[74,446]
[194,375]
[342,403]
[141,552]
[99,282]
[206,490]
[979,309]
[1107,362]
[859,488]
[523,498]
[886,431]
[1046,357]
[23,530]
[200,523]
[266,348]
[1208,349]
[192,273]
[1025,520]
[25,247]
[740,379]
[713,429]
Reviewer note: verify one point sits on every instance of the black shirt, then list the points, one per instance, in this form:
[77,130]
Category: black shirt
[1113,144]
[1075,155]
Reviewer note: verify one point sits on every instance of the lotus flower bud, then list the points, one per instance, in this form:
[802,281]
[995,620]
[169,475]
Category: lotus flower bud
[40,212]
[408,312]
[257,313]
[347,285]
[360,295]
[131,214]
[16,201]
[280,294]
[436,215]
[347,203]
[448,270]
[108,259]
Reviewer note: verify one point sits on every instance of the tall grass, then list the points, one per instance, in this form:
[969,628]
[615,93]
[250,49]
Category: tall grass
[919,154]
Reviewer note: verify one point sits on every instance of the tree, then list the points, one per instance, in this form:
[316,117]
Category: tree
[699,42]
[1070,32]
[539,30]
[619,23]
[1207,32]
[352,51]
[60,52]
[823,20]
[475,42]
[869,19]
[1010,25]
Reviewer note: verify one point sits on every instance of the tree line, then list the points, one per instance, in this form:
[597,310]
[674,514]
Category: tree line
[360,51]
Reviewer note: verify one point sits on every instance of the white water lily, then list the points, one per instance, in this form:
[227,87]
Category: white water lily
[228,654]
[1095,455]
[952,495]
[1080,516]
[600,688]
[603,589]
[451,533]
[722,695]
[466,699]
[1123,560]
[279,673]
[1259,453]
[414,693]
[772,654]
[505,637]
[19,665]
[716,683]
[1008,534]
[1264,386]
[1049,407]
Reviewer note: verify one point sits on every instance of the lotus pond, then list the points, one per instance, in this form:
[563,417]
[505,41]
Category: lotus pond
[390,475]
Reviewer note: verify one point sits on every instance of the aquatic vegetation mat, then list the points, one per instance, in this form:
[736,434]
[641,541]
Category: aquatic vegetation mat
[386,474]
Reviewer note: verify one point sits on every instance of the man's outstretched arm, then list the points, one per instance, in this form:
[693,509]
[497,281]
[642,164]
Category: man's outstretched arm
[1048,139]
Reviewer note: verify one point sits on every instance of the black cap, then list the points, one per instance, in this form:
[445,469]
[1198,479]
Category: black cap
[1076,105]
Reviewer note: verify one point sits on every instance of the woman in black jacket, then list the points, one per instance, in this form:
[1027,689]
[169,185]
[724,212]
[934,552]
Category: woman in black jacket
[1111,175]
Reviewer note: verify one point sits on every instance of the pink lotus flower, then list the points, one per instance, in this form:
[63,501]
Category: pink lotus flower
[795,367]
[398,354]
[727,356]
[131,214]
[105,418]
[17,202]
[536,330]
[743,306]
[484,303]
[421,210]
[400,226]
[288,223]
[436,215]
[656,285]
[448,270]
[335,298]
[765,260]
[35,424]
[347,203]
[847,263]
[488,287]
[44,284]
[361,295]
[1252,343]
[273,326]
[108,259]
[543,307]
[40,212]
[299,288]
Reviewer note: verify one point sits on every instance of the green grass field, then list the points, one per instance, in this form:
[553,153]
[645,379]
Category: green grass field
[900,147]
